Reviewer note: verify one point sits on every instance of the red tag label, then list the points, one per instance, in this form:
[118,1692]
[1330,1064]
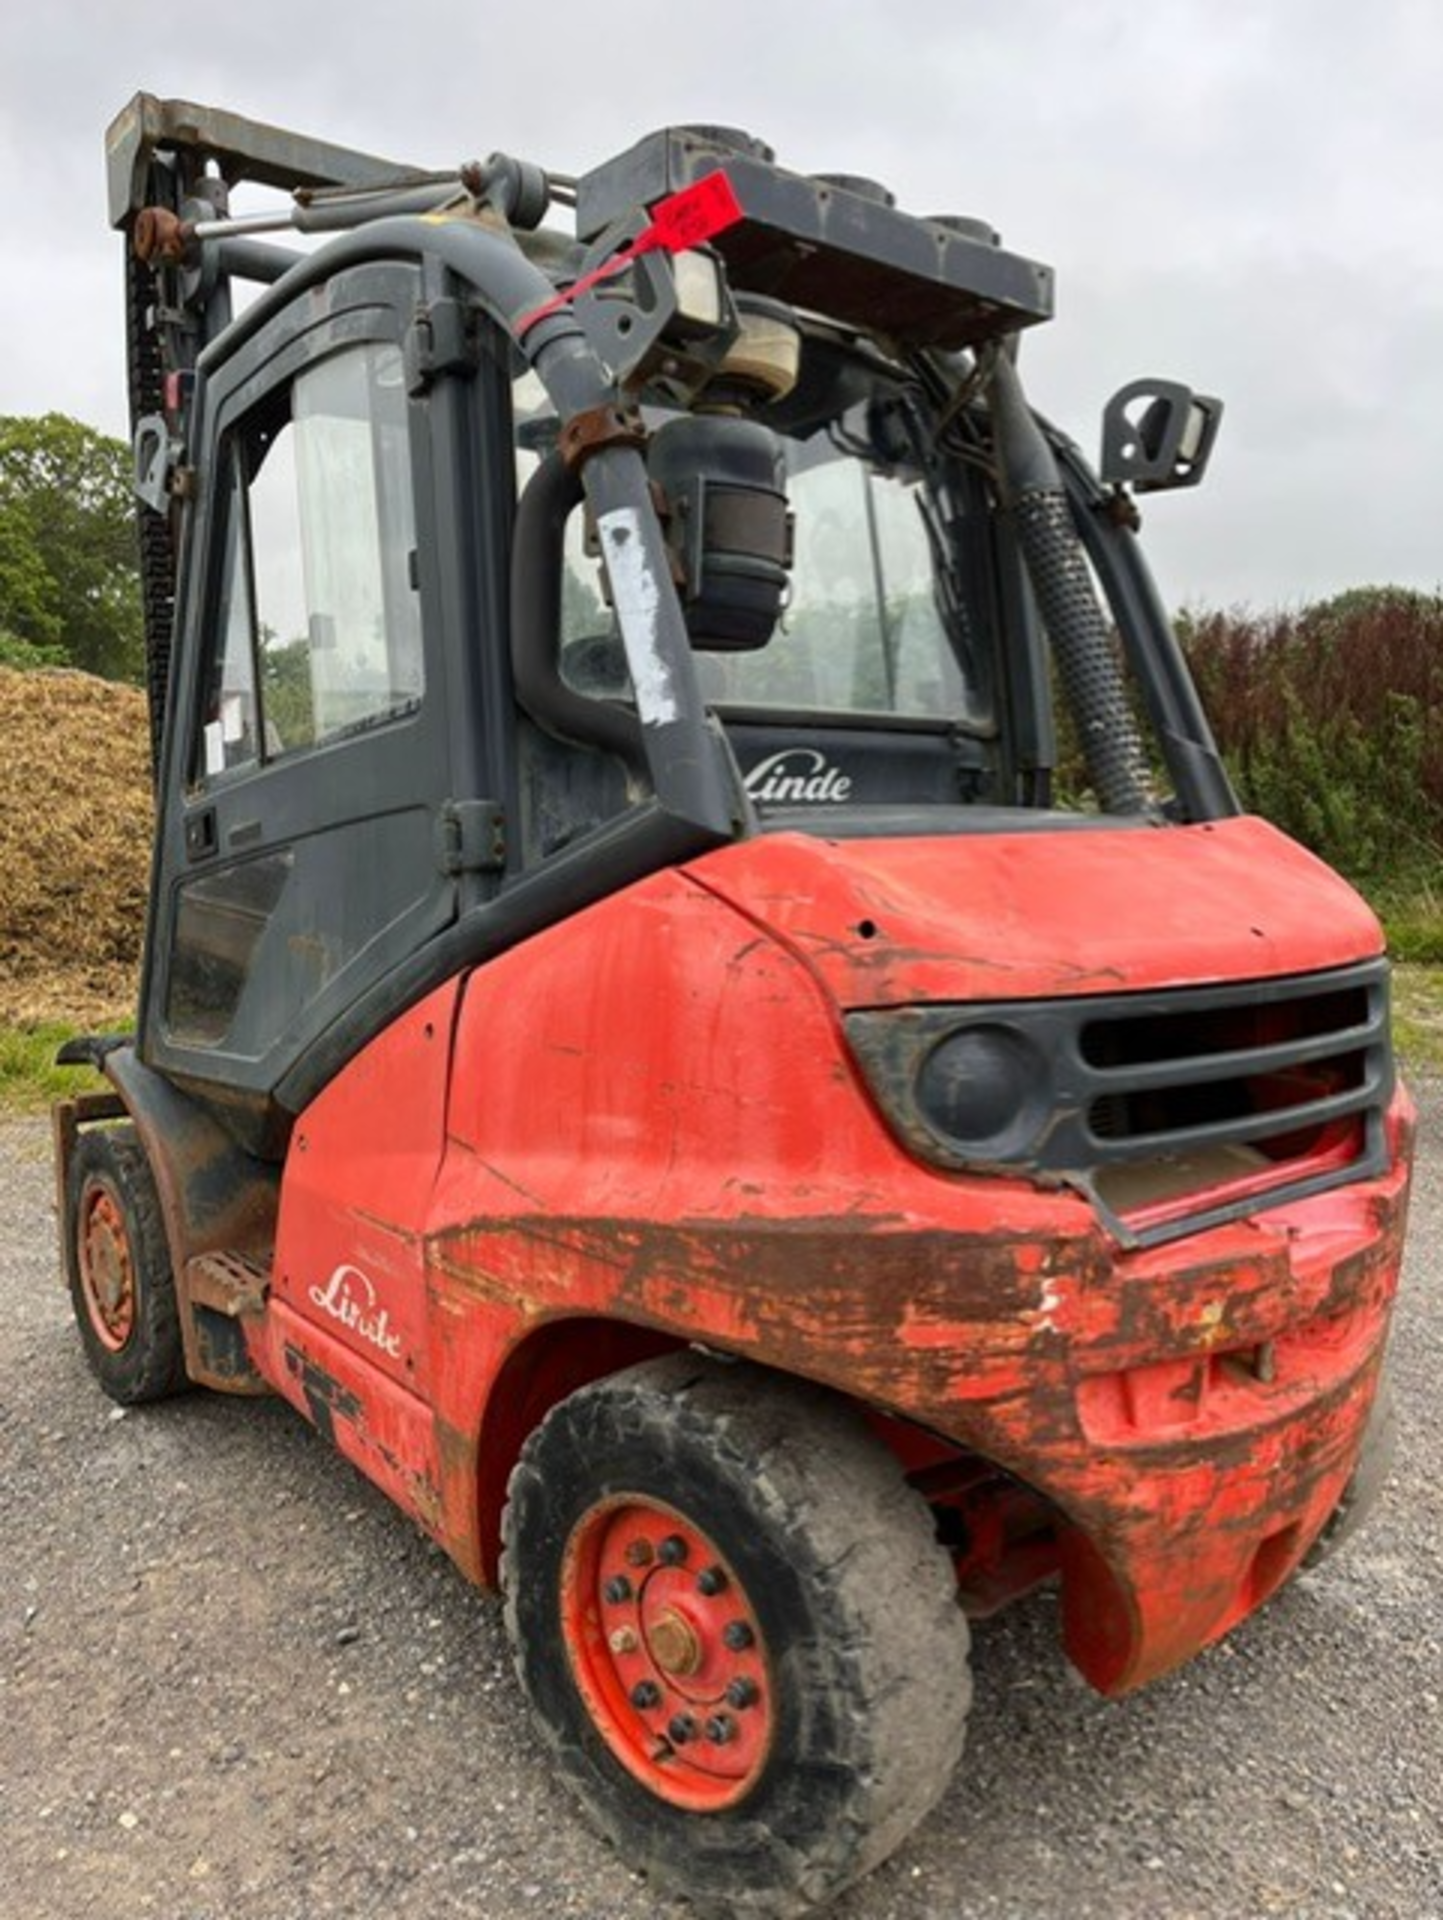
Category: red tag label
[694,215]
[685,220]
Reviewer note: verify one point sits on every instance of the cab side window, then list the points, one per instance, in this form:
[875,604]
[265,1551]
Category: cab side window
[318,625]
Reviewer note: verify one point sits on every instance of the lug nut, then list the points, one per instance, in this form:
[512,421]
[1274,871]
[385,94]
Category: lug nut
[680,1729]
[617,1589]
[672,1551]
[711,1581]
[638,1553]
[743,1691]
[622,1640]
[646,1693]
[738,1636]
[720,1729]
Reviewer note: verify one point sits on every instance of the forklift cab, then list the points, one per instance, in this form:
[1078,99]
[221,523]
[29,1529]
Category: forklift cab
[493,595]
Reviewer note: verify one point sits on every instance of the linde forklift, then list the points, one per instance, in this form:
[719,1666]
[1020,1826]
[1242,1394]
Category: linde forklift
[710,1017]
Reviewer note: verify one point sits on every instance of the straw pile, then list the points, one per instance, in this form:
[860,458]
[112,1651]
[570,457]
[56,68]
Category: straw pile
[75,825]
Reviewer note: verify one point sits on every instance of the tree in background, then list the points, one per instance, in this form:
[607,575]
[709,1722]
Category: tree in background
[69,580]
[29,625]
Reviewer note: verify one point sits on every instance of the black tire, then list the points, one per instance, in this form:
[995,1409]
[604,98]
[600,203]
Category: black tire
[856,1611]
[1365,1484]
[118,1266]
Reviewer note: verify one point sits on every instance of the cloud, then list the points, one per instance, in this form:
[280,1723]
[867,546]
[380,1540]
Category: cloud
[1232,196]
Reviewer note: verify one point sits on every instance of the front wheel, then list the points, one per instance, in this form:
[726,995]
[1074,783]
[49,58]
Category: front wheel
[736,1628]
[118,1265]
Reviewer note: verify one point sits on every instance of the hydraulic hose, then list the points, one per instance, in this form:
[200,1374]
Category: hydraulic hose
[1091,672]
[536,575]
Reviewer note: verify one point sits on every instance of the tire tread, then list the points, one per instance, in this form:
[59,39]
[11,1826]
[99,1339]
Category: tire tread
[898,1670]
[151,1364]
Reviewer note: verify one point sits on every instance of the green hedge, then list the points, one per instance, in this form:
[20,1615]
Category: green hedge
[1331,722]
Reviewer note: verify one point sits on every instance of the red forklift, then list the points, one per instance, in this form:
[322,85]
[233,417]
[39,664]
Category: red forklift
[710,1016]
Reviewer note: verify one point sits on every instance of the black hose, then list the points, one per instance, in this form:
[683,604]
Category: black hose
[537,571]
[1091,673]
[508,286]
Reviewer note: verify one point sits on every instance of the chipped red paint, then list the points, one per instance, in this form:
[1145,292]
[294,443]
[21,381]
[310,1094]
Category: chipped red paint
[643,1128]
[348,1303]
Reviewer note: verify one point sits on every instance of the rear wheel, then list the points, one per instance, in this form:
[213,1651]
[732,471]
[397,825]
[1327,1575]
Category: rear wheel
[737,1630]
[118,1266]
[1365,1484]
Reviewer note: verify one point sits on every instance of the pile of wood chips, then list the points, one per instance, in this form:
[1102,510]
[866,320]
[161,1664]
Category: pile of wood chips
[75,827]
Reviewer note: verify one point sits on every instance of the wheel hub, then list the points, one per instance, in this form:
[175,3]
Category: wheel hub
[674,1646]
[667,1653]
[107,1270]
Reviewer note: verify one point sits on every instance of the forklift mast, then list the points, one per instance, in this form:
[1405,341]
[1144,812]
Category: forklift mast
[172,160]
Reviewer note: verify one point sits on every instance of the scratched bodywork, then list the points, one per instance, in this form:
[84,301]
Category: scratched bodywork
[556,1192]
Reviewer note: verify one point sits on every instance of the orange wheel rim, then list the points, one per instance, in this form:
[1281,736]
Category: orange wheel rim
[667,1653]
[107,1268]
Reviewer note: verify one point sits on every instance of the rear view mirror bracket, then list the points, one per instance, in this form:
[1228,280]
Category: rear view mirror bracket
[1157,434]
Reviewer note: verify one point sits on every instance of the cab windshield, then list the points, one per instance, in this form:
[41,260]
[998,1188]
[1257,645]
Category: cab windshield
[863,630]
[872,623]
[909,667]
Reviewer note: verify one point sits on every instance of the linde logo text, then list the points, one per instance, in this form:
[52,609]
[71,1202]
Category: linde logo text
[798,773]
[349,1297]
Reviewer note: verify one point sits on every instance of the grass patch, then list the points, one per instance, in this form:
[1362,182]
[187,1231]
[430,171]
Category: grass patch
[1415,927]
[29,1077]
[1418,1017]
[1413,920]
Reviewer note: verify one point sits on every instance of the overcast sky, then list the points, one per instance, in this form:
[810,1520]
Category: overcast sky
[1243,197]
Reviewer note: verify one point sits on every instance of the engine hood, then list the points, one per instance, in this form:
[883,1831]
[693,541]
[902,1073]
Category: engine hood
[1004,916]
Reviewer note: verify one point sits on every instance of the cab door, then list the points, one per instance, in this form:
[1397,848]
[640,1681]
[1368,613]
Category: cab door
[310,758]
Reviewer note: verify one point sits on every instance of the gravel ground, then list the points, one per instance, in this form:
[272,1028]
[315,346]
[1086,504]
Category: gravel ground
[236,1685]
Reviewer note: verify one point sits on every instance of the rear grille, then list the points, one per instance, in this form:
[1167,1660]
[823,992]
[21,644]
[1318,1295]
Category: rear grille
[1208,1100]
[1244,1073]
[1173,1110]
